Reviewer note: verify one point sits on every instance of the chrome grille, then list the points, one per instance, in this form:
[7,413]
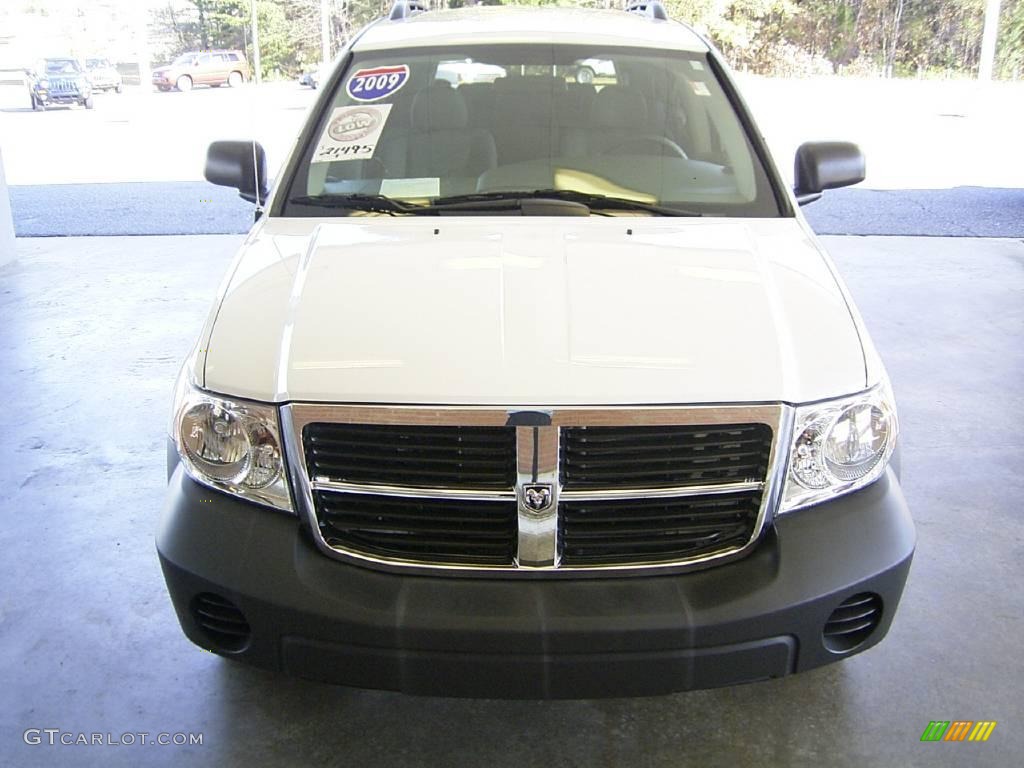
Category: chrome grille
[424,530]
[643,530]
[471,490]
[428,456]
[63,85]
[646,457]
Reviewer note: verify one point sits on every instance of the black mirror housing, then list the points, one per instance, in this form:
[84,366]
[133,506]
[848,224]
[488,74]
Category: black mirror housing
[239,164]
[822,165]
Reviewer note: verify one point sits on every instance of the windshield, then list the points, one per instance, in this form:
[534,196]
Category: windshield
[62,67]
[97,63]
[645,125]
[185,58]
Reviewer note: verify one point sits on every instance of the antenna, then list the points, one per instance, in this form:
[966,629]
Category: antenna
[256,179]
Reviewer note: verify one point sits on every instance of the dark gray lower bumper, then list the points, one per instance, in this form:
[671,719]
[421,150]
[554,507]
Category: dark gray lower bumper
[315,617]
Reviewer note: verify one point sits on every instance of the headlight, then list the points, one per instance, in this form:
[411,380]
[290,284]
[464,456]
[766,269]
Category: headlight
[44,83]
[839,446]
[231,445]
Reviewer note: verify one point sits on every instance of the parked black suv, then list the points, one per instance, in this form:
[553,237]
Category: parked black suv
[59,81]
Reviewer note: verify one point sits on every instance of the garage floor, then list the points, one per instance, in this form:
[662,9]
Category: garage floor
[91,334]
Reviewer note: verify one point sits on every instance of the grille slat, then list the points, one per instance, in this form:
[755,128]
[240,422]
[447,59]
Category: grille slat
[618,461]
[445,457]
[623,535]
[420,529]
[367,447]
[595,446]
[614,457]
[644,530]
[461,475]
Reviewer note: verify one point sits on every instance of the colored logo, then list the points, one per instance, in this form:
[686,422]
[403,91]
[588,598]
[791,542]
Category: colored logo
[374,84]
[958,730]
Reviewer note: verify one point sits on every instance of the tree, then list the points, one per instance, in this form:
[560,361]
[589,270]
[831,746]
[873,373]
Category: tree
[898,37]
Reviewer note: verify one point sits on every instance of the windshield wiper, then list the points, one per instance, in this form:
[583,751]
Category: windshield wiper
[579,203]
[595,202]
[356,202]
[529,204]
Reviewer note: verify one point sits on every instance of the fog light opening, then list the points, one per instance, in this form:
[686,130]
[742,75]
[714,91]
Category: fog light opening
[853,622]
[221,621]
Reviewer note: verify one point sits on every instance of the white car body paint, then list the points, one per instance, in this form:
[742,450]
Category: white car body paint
[534,311]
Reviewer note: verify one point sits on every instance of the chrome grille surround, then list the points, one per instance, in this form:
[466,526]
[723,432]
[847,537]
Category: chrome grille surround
[537,451]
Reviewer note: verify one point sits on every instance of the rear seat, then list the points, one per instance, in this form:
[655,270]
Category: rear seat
[479,99]
[441,142]
[523,125]
[517,111]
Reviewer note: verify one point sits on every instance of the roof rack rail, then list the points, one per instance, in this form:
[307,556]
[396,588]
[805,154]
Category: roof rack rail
[403,9]
[650,8]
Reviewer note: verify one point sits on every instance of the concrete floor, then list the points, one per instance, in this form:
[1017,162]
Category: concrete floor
[91,333]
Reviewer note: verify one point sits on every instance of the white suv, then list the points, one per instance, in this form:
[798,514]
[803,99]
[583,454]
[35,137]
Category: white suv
[533,387]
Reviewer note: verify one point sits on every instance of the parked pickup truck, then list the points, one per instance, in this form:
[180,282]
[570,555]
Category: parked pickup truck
[533,387]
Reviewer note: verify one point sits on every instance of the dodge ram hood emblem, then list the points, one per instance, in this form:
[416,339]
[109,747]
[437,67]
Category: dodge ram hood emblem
[537,498]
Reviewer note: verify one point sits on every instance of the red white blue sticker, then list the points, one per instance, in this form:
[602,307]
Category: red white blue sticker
[377,83]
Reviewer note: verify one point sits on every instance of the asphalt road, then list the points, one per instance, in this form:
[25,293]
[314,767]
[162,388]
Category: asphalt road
[195,207]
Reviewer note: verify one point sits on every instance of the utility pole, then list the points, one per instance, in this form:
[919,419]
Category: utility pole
[989,36]
[255,43]
[6,221]
[143,50]
[325,31]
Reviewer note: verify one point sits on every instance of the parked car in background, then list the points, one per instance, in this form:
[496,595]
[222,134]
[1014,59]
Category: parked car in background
[213,68]
[59,80]
[468,71]
[314,77]
[103,75]
[590,69]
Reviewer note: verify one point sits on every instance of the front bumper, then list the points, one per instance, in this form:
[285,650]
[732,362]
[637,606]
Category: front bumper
[757,618]
[62,97]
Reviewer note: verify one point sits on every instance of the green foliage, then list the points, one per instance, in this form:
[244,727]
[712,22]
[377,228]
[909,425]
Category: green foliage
[901,37]
[1010,57]
[289,31]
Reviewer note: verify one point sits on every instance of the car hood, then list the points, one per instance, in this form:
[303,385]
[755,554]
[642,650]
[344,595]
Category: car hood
[532,311]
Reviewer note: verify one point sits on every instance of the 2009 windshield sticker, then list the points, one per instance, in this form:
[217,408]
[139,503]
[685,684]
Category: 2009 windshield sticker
[352,133]
[377,83]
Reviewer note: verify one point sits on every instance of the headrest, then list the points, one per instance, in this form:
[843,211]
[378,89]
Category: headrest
[437,107]
[619,107]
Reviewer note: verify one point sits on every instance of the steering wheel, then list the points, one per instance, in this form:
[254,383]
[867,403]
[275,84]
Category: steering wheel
[661,141]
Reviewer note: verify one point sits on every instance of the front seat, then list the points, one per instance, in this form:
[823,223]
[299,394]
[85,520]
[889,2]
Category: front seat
[440,143]
[618,117]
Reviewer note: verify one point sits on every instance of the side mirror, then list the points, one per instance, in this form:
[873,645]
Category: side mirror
[238,164]
[822,165]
